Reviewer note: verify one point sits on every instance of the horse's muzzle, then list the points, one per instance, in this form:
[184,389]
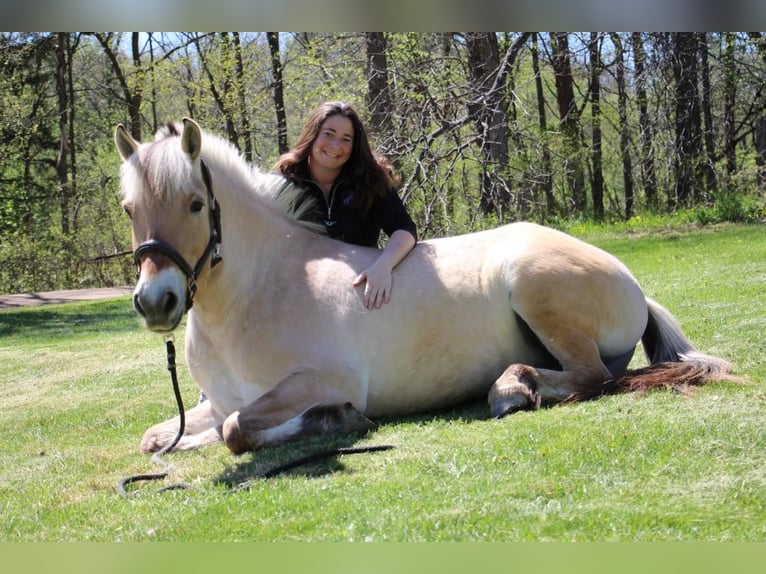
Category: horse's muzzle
[161,301]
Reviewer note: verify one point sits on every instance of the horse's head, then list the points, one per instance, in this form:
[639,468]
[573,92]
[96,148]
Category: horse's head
[167,193]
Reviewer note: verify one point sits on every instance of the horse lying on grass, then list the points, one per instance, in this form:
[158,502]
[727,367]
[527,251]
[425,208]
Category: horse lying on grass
[284,348]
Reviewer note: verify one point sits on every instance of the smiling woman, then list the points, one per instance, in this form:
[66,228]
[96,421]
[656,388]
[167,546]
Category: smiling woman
[353,192]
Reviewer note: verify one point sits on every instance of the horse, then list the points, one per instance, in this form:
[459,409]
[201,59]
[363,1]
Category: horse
[284,349]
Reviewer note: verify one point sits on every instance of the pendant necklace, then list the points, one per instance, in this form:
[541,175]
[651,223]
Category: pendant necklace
[329,222]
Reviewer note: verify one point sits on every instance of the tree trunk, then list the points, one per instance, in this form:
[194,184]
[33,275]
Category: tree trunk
[597,183]
[279,99]
[62,52]
[708,169]
[729,103]
[134,103]
[132,95]
[543,181]
[487,109]
[155,119]
[622,111]
[378,93]
[239,77]
[569,121]
[227,107]
[759,138]
[759,133]
[73,189]
[220,95]
[646,134]
[688,136]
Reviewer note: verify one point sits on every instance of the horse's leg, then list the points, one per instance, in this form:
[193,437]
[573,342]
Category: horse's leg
[300,406]
[523,387]
[202,426]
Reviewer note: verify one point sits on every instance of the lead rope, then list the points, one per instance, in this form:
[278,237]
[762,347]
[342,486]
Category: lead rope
[171,353]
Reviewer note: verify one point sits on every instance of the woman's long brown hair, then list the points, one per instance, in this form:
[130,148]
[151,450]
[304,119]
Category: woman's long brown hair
[371,174]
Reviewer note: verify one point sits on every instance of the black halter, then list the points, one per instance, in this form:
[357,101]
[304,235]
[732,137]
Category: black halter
[213,245]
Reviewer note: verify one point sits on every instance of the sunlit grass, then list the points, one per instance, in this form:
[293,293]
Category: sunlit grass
[80,383]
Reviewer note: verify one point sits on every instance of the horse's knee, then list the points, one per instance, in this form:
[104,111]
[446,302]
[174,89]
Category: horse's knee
[515,390]
[234,436]
[241,435]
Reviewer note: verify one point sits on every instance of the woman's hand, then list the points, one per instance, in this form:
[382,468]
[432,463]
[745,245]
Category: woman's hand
[377,277]
[377,288]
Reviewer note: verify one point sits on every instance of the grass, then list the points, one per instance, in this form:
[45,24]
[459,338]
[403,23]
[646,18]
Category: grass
[79,384]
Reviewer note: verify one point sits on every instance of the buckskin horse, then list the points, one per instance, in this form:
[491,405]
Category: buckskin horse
[282,345]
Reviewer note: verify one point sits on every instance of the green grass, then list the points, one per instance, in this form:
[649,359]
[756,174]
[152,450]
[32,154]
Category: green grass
[80,383]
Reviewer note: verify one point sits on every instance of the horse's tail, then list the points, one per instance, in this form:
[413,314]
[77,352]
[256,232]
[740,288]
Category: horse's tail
[674,362]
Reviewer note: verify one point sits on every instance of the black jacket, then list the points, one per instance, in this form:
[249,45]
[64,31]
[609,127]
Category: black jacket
[345,222]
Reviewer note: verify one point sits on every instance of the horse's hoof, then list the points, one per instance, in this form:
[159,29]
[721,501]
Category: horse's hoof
[515,390]
[149,445]
[509,405]
[155,442]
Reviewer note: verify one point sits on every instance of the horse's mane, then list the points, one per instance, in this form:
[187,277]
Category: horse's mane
[286,197]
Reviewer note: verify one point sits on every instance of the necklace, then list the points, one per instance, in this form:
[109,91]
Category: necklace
[329,222]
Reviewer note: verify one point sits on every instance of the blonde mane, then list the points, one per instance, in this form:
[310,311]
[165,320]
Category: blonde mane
[286,197]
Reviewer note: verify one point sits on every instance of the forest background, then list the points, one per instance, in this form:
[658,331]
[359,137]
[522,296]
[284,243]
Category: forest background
[484,128]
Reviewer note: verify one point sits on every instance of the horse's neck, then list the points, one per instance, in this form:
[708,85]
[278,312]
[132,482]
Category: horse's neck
[254,236]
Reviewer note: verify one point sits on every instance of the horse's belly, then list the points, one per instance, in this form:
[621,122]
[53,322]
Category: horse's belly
[443,370]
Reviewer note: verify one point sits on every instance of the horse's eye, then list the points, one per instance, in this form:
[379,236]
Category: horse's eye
[128,212]
[197,206]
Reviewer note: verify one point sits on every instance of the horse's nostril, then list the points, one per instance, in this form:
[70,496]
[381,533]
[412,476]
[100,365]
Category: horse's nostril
[171,301]
[137,306]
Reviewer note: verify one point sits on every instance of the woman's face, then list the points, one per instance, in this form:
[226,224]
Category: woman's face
[333,144]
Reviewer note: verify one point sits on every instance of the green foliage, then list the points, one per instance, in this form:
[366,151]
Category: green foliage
[49,231]
[80,383]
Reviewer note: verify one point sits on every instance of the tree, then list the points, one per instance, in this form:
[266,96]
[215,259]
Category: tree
[646,132]
[622,111]
[597,184]
[239,78]
[63,60]
[485,106]
[688,131]
[378,93]
[543,182]
[759,132]
[708,168]
[464,117]
[278,86]
[132,91]
[569,120]
[220,89]
[729,104]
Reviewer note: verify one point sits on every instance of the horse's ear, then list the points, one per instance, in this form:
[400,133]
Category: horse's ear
[125,143]
[191,140]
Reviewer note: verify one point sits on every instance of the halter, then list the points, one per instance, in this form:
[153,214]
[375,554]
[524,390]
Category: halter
[213,245]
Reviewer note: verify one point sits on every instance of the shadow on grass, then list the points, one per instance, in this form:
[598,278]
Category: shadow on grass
[322,454]
[252,467]
[114,315]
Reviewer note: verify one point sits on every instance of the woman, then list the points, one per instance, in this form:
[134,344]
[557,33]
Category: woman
[354,192]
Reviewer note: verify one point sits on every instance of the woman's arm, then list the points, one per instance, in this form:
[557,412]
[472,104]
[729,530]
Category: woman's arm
[378,276]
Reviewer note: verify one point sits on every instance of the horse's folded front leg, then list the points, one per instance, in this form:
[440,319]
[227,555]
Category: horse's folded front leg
[300,406]
[202,426]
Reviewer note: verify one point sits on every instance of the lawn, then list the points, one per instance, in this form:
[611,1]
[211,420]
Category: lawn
[81,382]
